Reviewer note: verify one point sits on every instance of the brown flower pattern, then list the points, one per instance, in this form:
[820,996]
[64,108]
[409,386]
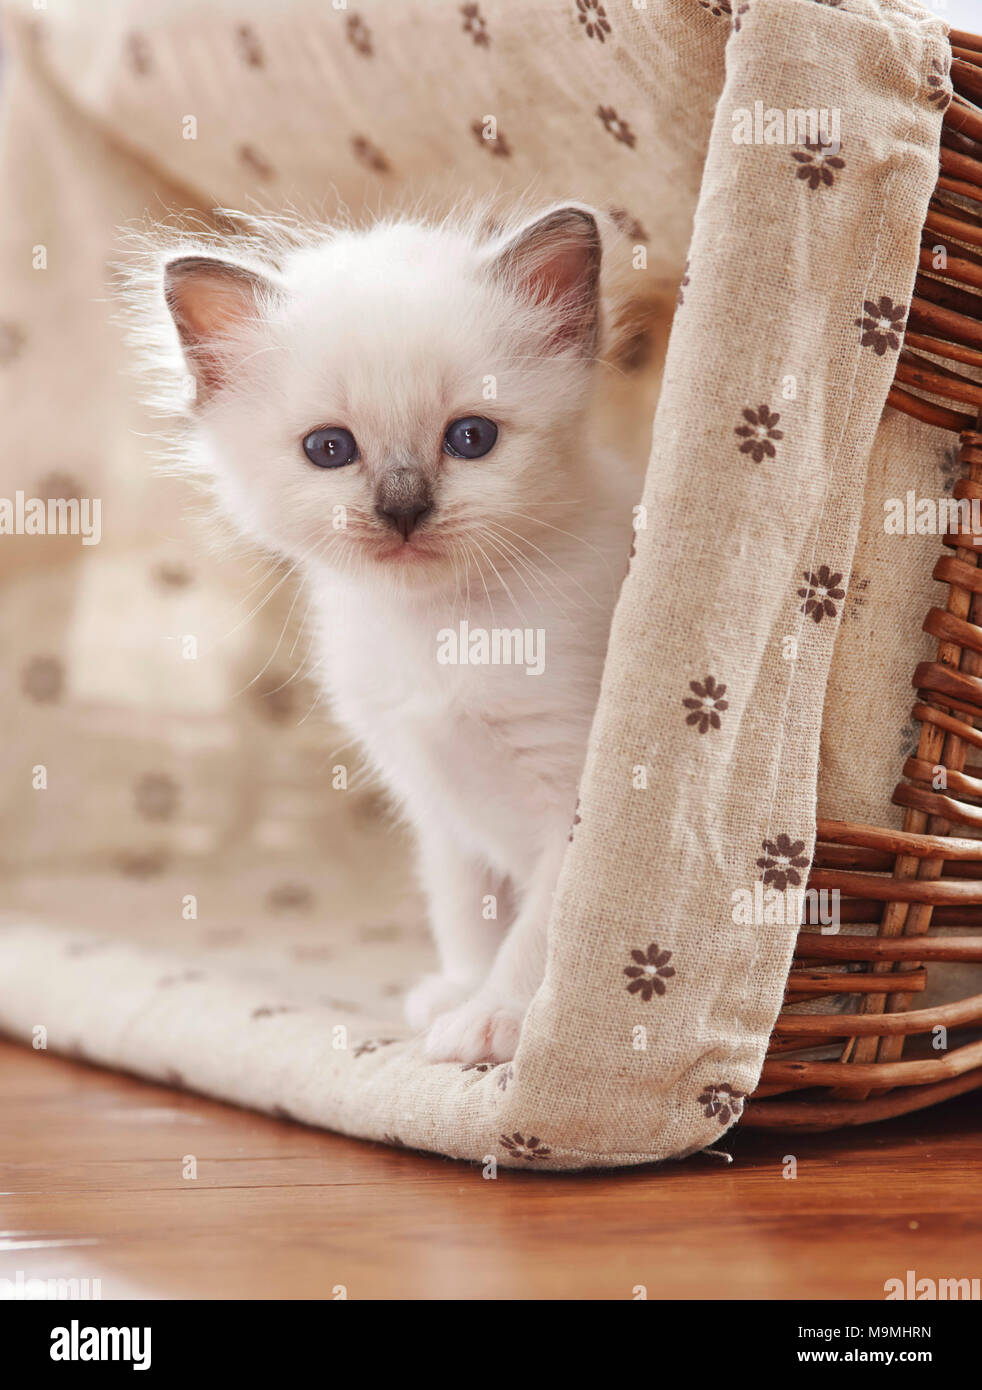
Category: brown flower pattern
[519,1147]
[59,485]
[499,146]
[137,49]
[910,737]
[359,36]
[370,155]
[706,704]
[649,972]
[682,284]
[617,126]
[476,25]
[11,341]
[823,588]
[940,87]
[249,46]
[857,596]
[758,433]
[738,14]
[716,7]
[256,163]
[290,897]
[721,1102]
[143,863]
[43,679]
[593,17]
[370,1045]
[951,466]
[275,697]
[171,574]
[629,225]
[156,796]
[883,324]
[818,164]
[781,861]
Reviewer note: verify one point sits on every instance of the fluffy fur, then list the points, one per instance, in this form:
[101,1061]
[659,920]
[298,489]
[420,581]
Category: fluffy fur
[393,333]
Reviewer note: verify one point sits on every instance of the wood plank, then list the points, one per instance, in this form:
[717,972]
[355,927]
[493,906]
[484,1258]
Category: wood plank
[280,1211]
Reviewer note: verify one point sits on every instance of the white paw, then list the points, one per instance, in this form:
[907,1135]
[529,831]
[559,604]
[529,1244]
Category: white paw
[433,995]
[484,1029]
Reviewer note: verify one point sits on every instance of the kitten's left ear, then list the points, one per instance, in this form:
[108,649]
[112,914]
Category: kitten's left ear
[213,303]
[555,261]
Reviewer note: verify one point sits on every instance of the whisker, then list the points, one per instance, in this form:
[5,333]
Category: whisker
[315,550]
[537,521]
[503,582]
[538,572]
[572,578]
[495,543]
[485,582]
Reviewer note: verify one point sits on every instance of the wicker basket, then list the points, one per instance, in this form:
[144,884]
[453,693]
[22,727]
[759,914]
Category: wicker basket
[909,883]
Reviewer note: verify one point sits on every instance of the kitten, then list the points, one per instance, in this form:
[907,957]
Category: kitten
[407,412]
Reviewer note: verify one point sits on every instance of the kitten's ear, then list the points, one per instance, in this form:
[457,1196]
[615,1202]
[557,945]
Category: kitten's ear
[212,303]
[555,261]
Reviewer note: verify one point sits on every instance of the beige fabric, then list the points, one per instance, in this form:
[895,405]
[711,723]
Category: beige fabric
[169,779]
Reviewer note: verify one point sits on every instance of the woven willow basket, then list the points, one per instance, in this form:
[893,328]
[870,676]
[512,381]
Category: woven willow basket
[908,883]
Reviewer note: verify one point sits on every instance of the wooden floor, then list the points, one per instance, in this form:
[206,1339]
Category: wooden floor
[92,1186]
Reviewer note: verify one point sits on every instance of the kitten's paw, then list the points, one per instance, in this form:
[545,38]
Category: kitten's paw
[433,995]
[484,1029]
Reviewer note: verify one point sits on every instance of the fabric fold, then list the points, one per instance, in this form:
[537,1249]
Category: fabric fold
[648,1034]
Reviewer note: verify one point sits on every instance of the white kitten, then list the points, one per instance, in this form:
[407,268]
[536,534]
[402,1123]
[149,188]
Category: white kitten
[406,411]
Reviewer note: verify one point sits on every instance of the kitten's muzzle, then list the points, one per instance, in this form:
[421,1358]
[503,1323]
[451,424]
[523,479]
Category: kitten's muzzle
[403,499]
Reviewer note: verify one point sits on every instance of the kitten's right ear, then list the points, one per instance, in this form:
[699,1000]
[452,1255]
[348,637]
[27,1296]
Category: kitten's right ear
[213,303]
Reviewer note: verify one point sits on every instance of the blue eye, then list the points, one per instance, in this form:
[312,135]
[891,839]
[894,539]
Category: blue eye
[470,438]
[331,448]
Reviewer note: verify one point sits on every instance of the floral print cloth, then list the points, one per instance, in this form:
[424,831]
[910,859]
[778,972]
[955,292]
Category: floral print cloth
[188,895]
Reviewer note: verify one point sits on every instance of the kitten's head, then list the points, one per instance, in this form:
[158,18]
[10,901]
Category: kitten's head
[399,402]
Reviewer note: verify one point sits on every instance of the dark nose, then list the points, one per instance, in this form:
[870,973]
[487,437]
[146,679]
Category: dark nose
[405,518]
[403,499]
